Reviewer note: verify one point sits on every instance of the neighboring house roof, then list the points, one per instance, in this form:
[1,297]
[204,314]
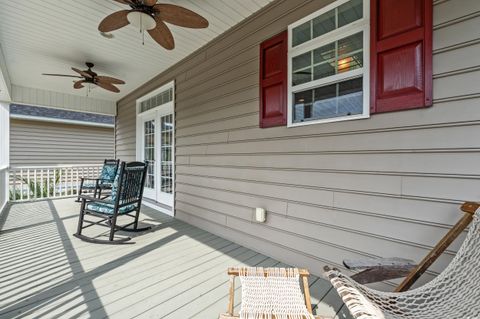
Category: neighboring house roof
[57,115]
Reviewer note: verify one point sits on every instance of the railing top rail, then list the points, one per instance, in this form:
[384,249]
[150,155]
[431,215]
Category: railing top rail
[54,166]
[4,167]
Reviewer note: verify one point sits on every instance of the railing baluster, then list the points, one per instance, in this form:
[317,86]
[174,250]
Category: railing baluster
[77,181]
[64,174]
[41,183]
[34,184]
[71,181]
[14,181]
[54,183]
[48,182]
[21,184]
[28,184]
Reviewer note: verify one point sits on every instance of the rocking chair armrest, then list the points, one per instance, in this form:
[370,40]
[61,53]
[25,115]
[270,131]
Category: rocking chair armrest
[92,199]
[90,179]
[97,179]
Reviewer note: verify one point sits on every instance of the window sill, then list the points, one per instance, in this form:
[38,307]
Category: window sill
[331,120]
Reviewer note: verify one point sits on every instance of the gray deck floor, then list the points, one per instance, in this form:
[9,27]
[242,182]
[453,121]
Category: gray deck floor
[176,271]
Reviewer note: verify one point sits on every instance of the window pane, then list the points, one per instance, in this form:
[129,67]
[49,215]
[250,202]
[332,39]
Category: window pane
[302,61]
[350,99]
[301,77]
[157,100]
[324,70]
[350,44]
[324,23]
[325,105]
[330,101]
[324,53]
[301,34]
[350,63]
[302,108]
[349,12]
[350,51]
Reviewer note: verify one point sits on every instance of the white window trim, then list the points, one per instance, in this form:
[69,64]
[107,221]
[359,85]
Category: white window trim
[352,28]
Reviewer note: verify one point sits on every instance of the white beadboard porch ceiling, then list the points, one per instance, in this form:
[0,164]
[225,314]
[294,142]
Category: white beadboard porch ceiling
[50,36]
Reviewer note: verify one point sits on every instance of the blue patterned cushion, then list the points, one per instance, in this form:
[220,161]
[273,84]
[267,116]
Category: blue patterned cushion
[108,208]
[115,187]
[93,185]
[108,172]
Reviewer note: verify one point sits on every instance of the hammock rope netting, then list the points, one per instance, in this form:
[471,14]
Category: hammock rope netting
[453,294]
[269,292]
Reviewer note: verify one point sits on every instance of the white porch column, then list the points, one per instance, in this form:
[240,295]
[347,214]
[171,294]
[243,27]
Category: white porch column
[4,152]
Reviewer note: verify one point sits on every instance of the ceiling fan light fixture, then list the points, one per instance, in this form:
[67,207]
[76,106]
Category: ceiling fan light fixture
[141,20]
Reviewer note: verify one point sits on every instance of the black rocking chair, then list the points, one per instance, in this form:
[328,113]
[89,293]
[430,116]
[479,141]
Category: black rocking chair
[102,183]
[125,200]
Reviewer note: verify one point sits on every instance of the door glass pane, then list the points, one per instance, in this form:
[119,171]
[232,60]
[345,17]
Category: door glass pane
[166,153]
[149,152]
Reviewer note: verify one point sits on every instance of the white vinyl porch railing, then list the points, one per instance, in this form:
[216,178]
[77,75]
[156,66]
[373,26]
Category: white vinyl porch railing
[41,182]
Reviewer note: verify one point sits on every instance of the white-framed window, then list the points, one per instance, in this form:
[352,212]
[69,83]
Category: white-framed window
[328,64]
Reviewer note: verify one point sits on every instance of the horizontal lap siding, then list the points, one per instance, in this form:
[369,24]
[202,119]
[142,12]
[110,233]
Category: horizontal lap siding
[41,143]
[386,186]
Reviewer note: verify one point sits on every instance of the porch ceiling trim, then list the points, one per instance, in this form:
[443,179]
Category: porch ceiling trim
[46,98]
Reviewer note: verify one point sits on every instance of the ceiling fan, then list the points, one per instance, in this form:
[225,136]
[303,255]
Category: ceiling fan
[89,77]
[149,16]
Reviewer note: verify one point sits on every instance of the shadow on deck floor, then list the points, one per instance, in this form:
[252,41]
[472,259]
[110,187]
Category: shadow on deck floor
[176,271]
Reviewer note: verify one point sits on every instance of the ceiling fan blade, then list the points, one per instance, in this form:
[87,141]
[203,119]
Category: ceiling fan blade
[63,75]
[114,21]
[162,34]
[149,3]
[127,2]
[180,16]
[82,73]
[78,84]
[108,86]
[109,79]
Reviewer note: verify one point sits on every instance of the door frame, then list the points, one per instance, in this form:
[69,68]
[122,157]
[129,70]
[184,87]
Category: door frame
[156,113]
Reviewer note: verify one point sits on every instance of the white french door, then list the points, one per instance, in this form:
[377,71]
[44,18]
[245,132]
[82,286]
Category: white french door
[155,145]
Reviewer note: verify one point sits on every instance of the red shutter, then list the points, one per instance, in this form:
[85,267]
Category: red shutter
[273,81]
[401,54]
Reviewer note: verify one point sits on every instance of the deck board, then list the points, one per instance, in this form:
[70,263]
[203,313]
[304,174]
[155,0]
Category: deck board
[174,271]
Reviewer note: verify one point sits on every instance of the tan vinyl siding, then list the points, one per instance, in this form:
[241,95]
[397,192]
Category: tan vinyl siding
[44,143]
[386,186]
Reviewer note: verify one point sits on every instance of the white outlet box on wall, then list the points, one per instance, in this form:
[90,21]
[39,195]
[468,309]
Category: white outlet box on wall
[260,215]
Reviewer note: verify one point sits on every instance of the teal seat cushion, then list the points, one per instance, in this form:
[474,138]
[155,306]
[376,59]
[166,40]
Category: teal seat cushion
[105,208]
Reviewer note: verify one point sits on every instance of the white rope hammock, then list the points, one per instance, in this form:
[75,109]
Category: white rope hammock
[272,293]
[454,294]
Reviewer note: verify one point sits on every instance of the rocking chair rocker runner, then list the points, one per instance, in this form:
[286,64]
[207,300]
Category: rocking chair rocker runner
[455,293]
[103,182]
[271,293]
[125,200]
